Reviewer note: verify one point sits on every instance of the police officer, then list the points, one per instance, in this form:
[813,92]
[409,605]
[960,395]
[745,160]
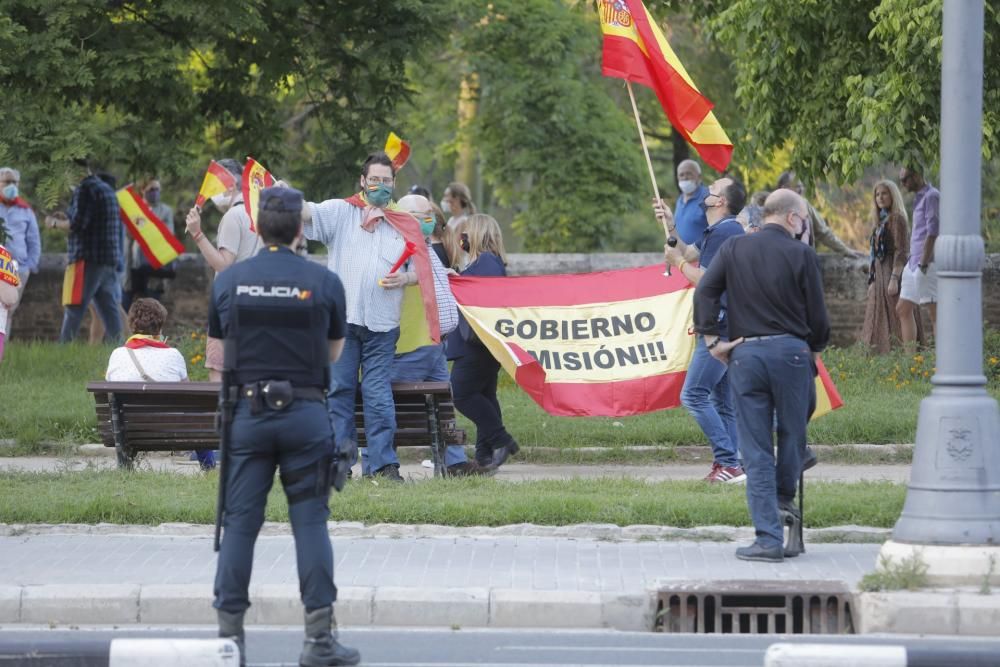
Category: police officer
[282,318]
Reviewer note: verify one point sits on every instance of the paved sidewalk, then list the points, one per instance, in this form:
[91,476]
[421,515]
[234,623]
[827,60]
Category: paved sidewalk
[516,472]
[468,581]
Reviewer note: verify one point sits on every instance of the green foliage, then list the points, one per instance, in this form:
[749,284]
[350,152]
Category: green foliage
[908,574]
[157,87]
[848,84]
[546,133]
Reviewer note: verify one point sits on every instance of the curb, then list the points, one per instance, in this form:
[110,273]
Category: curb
[355,529]
[186,604]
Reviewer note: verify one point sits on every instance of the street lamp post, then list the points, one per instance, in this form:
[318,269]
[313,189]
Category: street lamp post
[952,510]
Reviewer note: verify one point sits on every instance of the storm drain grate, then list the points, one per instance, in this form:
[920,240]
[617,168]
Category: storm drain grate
[755,607]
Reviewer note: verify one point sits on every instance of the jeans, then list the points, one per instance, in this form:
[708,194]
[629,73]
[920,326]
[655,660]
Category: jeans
[772,377]
[297,440]
[101,284]
[707,397]
[474,386]
[371,352]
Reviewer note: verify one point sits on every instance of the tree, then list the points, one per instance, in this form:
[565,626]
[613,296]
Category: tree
[547,131]
[846,84]
[157,86]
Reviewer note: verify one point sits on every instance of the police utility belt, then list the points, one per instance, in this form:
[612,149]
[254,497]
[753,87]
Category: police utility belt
[277,394]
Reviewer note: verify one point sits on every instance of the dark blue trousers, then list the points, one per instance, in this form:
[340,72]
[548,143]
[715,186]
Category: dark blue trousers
[772,378]
[474,387]
[295,440]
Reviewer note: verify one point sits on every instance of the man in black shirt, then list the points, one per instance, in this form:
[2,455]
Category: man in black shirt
[777,324]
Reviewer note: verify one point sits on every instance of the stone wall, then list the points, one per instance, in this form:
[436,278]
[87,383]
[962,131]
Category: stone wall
[40,313]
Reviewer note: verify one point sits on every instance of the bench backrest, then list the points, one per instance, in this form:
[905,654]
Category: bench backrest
[163,416]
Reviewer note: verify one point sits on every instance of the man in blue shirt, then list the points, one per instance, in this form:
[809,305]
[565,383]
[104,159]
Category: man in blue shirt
[706,386]
[689,215]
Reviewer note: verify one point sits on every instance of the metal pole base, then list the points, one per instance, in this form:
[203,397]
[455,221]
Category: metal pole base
[954,490]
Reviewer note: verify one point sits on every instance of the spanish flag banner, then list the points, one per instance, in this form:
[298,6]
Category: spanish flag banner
[217,180]
[72,291]
[8,269]
[157,243]
[413,329]
[255,179]
[827,397]
[609,344]
[397,150]
[636,50]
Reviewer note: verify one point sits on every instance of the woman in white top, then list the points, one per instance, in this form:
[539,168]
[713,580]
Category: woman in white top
[145,357]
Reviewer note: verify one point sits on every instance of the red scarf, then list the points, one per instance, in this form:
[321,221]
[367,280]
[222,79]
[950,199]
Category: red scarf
[142,340]
[407,225]
[17,201]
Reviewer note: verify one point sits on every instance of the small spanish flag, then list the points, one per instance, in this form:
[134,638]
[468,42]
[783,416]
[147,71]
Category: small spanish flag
[636,50]
[255,179]
[827,397]
[158,243]
[397,150]
[72,292]
[217,180]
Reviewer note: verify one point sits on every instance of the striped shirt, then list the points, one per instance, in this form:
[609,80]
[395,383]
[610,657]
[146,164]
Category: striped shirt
[447,308]
[360,259]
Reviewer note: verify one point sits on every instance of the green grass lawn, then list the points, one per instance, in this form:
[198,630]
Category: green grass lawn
[45,402]
[152,498]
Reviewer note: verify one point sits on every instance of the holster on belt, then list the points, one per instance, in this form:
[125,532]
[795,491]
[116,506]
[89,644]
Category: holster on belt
[275,394]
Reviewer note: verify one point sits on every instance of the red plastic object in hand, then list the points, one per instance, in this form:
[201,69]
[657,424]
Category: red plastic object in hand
[408,252]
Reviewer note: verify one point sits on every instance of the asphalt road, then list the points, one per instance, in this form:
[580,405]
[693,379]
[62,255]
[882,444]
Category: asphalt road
[399,647]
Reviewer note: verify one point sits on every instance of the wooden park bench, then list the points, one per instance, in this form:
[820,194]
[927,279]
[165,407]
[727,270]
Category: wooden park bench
[138,417]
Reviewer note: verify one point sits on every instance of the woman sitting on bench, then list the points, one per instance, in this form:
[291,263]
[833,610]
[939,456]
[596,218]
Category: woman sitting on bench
[145,357]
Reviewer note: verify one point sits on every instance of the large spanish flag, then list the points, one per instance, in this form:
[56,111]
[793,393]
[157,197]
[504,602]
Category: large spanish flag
[610,344]
[255,179]
[636,50]
[614,343]
[157,243]
[397,150]
[217,180]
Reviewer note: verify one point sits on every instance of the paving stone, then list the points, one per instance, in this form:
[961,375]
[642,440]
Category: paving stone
[465,607]
[105,604]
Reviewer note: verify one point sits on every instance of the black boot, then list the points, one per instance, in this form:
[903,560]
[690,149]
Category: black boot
[321,648]
[231,627]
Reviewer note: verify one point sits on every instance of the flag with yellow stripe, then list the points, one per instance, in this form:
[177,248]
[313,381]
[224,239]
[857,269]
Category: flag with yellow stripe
[636,50]
[157,243]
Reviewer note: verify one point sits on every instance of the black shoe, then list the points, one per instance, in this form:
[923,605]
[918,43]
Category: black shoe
[484,454]
[503,453]
[758,553]
[809,459]
[389,472]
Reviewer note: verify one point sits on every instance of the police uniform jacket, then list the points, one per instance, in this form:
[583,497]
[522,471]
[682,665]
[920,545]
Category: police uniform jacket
[277,313]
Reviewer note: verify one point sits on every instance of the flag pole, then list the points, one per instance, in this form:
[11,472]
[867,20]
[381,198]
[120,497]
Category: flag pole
[645,149]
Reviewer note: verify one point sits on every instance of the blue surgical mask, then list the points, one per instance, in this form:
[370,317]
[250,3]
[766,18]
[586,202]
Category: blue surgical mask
[378,195]
[427,228]
[10,192]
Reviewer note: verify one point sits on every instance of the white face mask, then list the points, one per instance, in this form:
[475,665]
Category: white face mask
[222,201]
[687,187]
[445,207]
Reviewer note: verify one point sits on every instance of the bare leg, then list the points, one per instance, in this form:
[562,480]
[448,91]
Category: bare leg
[907,323]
